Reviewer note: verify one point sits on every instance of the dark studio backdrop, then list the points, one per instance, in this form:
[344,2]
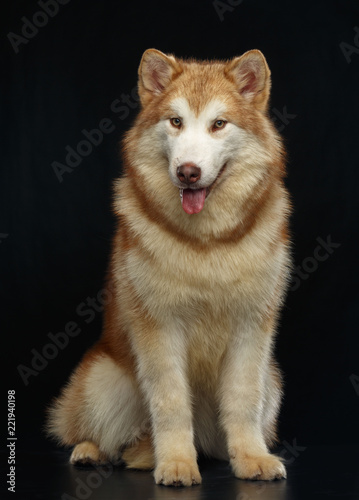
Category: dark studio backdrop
[76,71]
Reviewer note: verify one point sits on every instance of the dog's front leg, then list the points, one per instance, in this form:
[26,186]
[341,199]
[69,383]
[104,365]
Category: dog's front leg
[162,371]
[242,387]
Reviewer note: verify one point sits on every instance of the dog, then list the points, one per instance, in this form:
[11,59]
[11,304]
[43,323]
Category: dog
[199,270]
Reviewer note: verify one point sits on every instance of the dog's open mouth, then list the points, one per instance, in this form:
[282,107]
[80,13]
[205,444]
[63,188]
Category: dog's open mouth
[193,199]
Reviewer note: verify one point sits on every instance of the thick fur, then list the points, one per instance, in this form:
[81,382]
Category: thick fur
[185,365]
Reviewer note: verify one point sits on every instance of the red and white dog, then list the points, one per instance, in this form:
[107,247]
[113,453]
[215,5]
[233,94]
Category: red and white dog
[199,268]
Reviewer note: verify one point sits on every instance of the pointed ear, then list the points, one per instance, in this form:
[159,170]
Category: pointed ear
[155,73]
[251,74]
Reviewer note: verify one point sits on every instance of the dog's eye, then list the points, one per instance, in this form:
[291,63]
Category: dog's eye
[176,122]
[218,124]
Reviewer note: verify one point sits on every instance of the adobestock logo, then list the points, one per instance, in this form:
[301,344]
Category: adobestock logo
[30,29]
[87,311]
[93,480]
[120,108]
[222,7]
[310,264]
[92,138]
[349,49]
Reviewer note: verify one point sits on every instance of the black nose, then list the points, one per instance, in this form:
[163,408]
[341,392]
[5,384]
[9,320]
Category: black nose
[188,173]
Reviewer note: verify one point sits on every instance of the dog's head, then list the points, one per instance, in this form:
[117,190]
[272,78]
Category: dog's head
[201,118]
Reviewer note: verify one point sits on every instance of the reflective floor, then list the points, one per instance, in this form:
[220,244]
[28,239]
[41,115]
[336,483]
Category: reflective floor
[313,473]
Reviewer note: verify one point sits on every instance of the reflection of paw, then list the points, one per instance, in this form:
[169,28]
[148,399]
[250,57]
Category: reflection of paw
[265,467]
[87,453]
[177,473]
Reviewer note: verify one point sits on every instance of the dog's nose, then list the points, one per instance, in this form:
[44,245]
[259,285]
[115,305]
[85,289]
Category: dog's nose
[188,173]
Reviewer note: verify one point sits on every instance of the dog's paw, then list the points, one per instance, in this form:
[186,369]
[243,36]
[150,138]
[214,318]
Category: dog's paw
[262,468]
[87,453]
[177,473]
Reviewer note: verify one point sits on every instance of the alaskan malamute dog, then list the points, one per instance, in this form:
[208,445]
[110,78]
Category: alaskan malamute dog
[199,268]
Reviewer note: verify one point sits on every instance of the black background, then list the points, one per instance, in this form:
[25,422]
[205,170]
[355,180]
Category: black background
[55,236]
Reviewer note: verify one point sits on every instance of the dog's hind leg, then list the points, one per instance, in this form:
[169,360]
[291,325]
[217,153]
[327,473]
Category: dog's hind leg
[88,452]
[100,411]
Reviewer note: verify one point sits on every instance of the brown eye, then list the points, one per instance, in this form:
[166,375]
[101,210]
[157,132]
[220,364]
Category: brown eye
[219,124]
[176,122]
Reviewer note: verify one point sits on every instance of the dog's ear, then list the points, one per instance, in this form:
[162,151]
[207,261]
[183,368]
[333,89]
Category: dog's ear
[155,73]
[251,75]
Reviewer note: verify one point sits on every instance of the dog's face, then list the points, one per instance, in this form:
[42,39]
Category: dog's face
[198,145]
[202,117]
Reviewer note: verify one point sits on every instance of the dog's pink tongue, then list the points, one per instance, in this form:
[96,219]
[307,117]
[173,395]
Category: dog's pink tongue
[193,200]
